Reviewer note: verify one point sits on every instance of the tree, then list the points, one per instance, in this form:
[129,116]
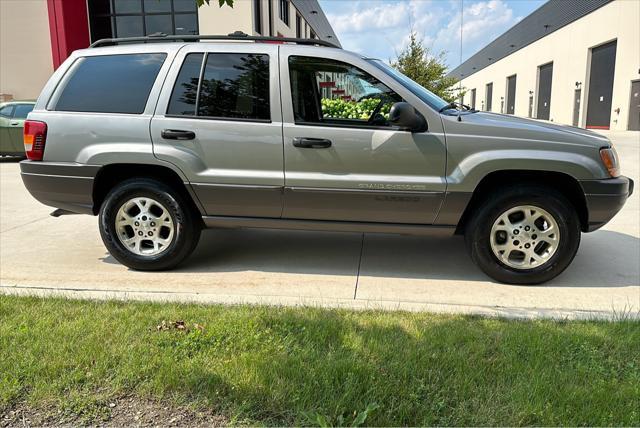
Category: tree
[220,2]
[417,62]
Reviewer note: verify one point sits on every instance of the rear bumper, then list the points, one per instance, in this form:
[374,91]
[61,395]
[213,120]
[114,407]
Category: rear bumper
[61,185]
[605,198]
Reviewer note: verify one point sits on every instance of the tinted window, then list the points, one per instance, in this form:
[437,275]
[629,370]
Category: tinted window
[6,111]
[335,92]
[235,86]
[111,84]
[22,110]
[183,97]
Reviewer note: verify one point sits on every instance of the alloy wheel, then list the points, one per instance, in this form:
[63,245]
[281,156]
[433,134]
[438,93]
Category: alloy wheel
[525,237]
[144,226]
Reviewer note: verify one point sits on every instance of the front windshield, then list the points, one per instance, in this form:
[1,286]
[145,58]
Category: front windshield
[420,91]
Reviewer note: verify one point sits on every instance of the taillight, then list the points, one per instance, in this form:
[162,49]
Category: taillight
[35,137]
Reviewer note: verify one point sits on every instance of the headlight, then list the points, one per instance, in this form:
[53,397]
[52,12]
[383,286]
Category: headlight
[610,160]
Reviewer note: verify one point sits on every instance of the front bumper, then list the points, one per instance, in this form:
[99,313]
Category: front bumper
[61,185]
[605,198]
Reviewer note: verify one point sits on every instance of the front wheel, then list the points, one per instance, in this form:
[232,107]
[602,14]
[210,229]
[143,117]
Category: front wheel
[524,235]
[147,225]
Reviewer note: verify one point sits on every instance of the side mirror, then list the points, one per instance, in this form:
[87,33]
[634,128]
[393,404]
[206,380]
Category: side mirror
[406,117]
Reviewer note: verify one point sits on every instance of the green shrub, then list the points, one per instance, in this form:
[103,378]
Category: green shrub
[343,109]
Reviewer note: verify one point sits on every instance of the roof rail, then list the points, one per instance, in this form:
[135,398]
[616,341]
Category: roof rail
[237,35]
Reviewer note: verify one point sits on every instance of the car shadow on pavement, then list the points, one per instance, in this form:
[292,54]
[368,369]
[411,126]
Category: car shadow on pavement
[605,258]
[11,159]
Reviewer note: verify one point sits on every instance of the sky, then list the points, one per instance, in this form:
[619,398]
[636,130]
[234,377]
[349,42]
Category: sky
[381,28]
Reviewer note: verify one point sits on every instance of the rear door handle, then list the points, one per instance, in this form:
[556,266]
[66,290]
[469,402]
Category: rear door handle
[177,134]
[311,143]
[14,123]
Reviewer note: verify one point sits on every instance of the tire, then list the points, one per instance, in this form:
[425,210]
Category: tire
[146,225]
[492,243]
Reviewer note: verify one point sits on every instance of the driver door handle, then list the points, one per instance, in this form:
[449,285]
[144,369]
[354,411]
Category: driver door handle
[177,134]
[311,143]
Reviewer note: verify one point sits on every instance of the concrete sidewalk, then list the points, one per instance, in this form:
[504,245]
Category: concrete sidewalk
[52,256]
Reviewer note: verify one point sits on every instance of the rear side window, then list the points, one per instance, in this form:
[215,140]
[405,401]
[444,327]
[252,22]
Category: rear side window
[22,110]
[6,111]
[111,83]
[233,86]
[183,97]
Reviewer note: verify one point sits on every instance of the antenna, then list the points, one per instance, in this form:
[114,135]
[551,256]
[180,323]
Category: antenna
[461,27]
[460,85]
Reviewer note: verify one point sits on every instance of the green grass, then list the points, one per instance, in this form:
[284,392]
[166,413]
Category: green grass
[284,366]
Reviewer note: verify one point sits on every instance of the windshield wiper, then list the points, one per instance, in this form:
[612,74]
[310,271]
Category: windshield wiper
[450,106]
[457,106]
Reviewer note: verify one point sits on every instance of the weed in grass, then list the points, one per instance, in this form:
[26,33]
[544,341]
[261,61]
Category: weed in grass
[357,419]
[84,408]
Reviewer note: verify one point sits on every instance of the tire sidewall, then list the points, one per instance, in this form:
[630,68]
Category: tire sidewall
[184,227]
[478,238]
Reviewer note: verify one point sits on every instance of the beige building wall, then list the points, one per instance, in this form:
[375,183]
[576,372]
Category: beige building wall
[224,20]
[213,19]
[569,50]
[25,48]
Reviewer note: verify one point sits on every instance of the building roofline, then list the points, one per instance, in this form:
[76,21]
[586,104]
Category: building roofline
[315,17]
[543,21]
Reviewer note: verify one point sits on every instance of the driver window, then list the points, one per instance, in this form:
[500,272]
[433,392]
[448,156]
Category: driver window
[334,92]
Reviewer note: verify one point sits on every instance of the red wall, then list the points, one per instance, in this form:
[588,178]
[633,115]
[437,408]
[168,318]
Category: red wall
[69,28]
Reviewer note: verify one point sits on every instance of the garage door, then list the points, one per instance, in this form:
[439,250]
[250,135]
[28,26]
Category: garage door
[603,63]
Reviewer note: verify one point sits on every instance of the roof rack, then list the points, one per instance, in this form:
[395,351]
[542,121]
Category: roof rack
[237,35]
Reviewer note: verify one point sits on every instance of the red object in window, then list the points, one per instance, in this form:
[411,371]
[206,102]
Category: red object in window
[338,91]
[346,97]
[35,137]
[274,42]
[327,84]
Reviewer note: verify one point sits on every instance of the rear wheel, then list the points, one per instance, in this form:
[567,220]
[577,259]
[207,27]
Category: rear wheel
[147,225]
[524,235]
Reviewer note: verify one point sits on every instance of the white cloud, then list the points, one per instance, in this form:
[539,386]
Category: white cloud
[366,17]
[381,27]
[482,22]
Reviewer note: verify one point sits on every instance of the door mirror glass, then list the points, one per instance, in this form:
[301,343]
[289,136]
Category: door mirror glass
[404,116]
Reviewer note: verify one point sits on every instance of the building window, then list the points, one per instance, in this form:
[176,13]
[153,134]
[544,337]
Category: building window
[257,16]
[134,18]
[284,11]
[298,26]
[312,34]
[488,96]
[473,98]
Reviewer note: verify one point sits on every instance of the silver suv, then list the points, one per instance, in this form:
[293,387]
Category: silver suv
[164,139]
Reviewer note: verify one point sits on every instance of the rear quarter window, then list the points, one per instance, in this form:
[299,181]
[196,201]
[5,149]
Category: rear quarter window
[110,83]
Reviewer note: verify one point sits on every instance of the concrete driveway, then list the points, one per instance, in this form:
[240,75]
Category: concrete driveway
[40,254]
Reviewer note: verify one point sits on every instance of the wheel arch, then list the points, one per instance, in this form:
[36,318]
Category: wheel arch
[562,182]
[110,175]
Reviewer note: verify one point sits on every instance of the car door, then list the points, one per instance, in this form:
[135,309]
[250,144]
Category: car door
[6,145]
[220,123]
[343,160]
[16,125]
